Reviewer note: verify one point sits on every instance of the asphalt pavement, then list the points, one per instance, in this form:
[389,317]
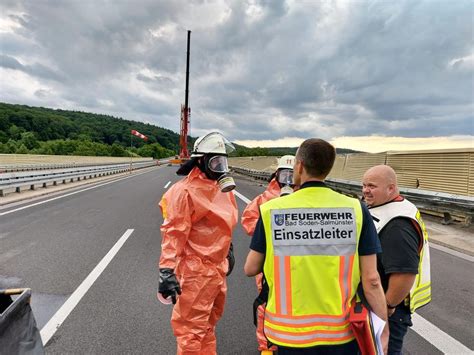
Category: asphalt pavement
[52,244]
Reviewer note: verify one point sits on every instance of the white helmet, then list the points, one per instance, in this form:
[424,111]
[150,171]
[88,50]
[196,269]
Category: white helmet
[286,162]
[213,142]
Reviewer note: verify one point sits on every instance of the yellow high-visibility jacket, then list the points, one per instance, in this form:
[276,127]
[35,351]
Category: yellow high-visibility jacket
[311,266]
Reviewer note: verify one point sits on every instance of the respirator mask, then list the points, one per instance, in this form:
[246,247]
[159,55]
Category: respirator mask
[216,168]
[285,180]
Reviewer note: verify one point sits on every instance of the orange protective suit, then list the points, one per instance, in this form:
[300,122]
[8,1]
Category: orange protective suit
[196,235]
[249,221]
[252,211]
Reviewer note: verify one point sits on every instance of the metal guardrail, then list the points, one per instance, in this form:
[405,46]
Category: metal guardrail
[9,168]
[6,168]
[448,206]
[15,181]
[257,174]
[29,167]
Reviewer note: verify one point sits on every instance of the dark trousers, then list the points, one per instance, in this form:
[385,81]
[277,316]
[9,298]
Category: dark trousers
[350,348]
[398,324]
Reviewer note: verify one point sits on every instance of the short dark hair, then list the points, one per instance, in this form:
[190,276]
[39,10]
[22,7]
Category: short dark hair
[317,157]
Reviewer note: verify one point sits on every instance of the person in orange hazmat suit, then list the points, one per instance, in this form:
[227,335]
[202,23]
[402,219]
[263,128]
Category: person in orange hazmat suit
[199,214]
[281,183]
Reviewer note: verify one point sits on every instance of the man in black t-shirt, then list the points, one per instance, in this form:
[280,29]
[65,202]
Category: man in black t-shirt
[401,239]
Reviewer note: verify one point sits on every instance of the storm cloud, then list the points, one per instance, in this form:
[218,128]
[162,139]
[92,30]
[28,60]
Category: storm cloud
[260,70]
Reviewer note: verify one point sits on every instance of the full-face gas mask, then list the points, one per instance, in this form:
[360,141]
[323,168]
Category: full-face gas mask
[284,174]
[284,178]
[216,168]
[213,149]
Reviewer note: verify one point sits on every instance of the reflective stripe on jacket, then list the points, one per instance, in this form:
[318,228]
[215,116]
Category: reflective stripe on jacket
[420,293]
[311,266]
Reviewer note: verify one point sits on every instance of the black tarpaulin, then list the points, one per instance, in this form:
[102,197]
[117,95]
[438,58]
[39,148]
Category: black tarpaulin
[18,331]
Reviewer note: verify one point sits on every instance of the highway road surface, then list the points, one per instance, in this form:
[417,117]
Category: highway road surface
[90,256]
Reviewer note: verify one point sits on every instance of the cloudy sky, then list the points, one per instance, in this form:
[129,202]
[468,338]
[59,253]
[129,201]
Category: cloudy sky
[369,75]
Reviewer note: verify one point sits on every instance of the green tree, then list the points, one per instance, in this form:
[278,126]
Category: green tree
[29,140]
[84,137]
[4,122]
[11,146]
[43,149]
[61,125]
[118,151]
[22,149]
[155,150]
[67,146]
[40,124]
[3,137]
[15,132]
[84,148]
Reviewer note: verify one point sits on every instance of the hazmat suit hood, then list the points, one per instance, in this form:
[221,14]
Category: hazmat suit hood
[186,168]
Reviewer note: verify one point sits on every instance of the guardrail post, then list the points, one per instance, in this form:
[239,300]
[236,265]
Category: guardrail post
[467,221]
[447,219]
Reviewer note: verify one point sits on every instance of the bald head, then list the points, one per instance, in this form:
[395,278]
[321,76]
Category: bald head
[384,172]
[379,185]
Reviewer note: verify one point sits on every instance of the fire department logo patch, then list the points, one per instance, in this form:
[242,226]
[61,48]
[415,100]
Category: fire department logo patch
[279,219]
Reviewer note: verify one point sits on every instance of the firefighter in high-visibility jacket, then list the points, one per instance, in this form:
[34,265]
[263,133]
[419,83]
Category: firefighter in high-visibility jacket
[315,246]
[281,184]
[404,264]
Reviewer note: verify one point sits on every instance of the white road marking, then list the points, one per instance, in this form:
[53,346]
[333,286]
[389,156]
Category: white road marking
[69,194]
[242,197]
[60,316]
[435,336]
[168,184]
[441,340]
[452,252]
